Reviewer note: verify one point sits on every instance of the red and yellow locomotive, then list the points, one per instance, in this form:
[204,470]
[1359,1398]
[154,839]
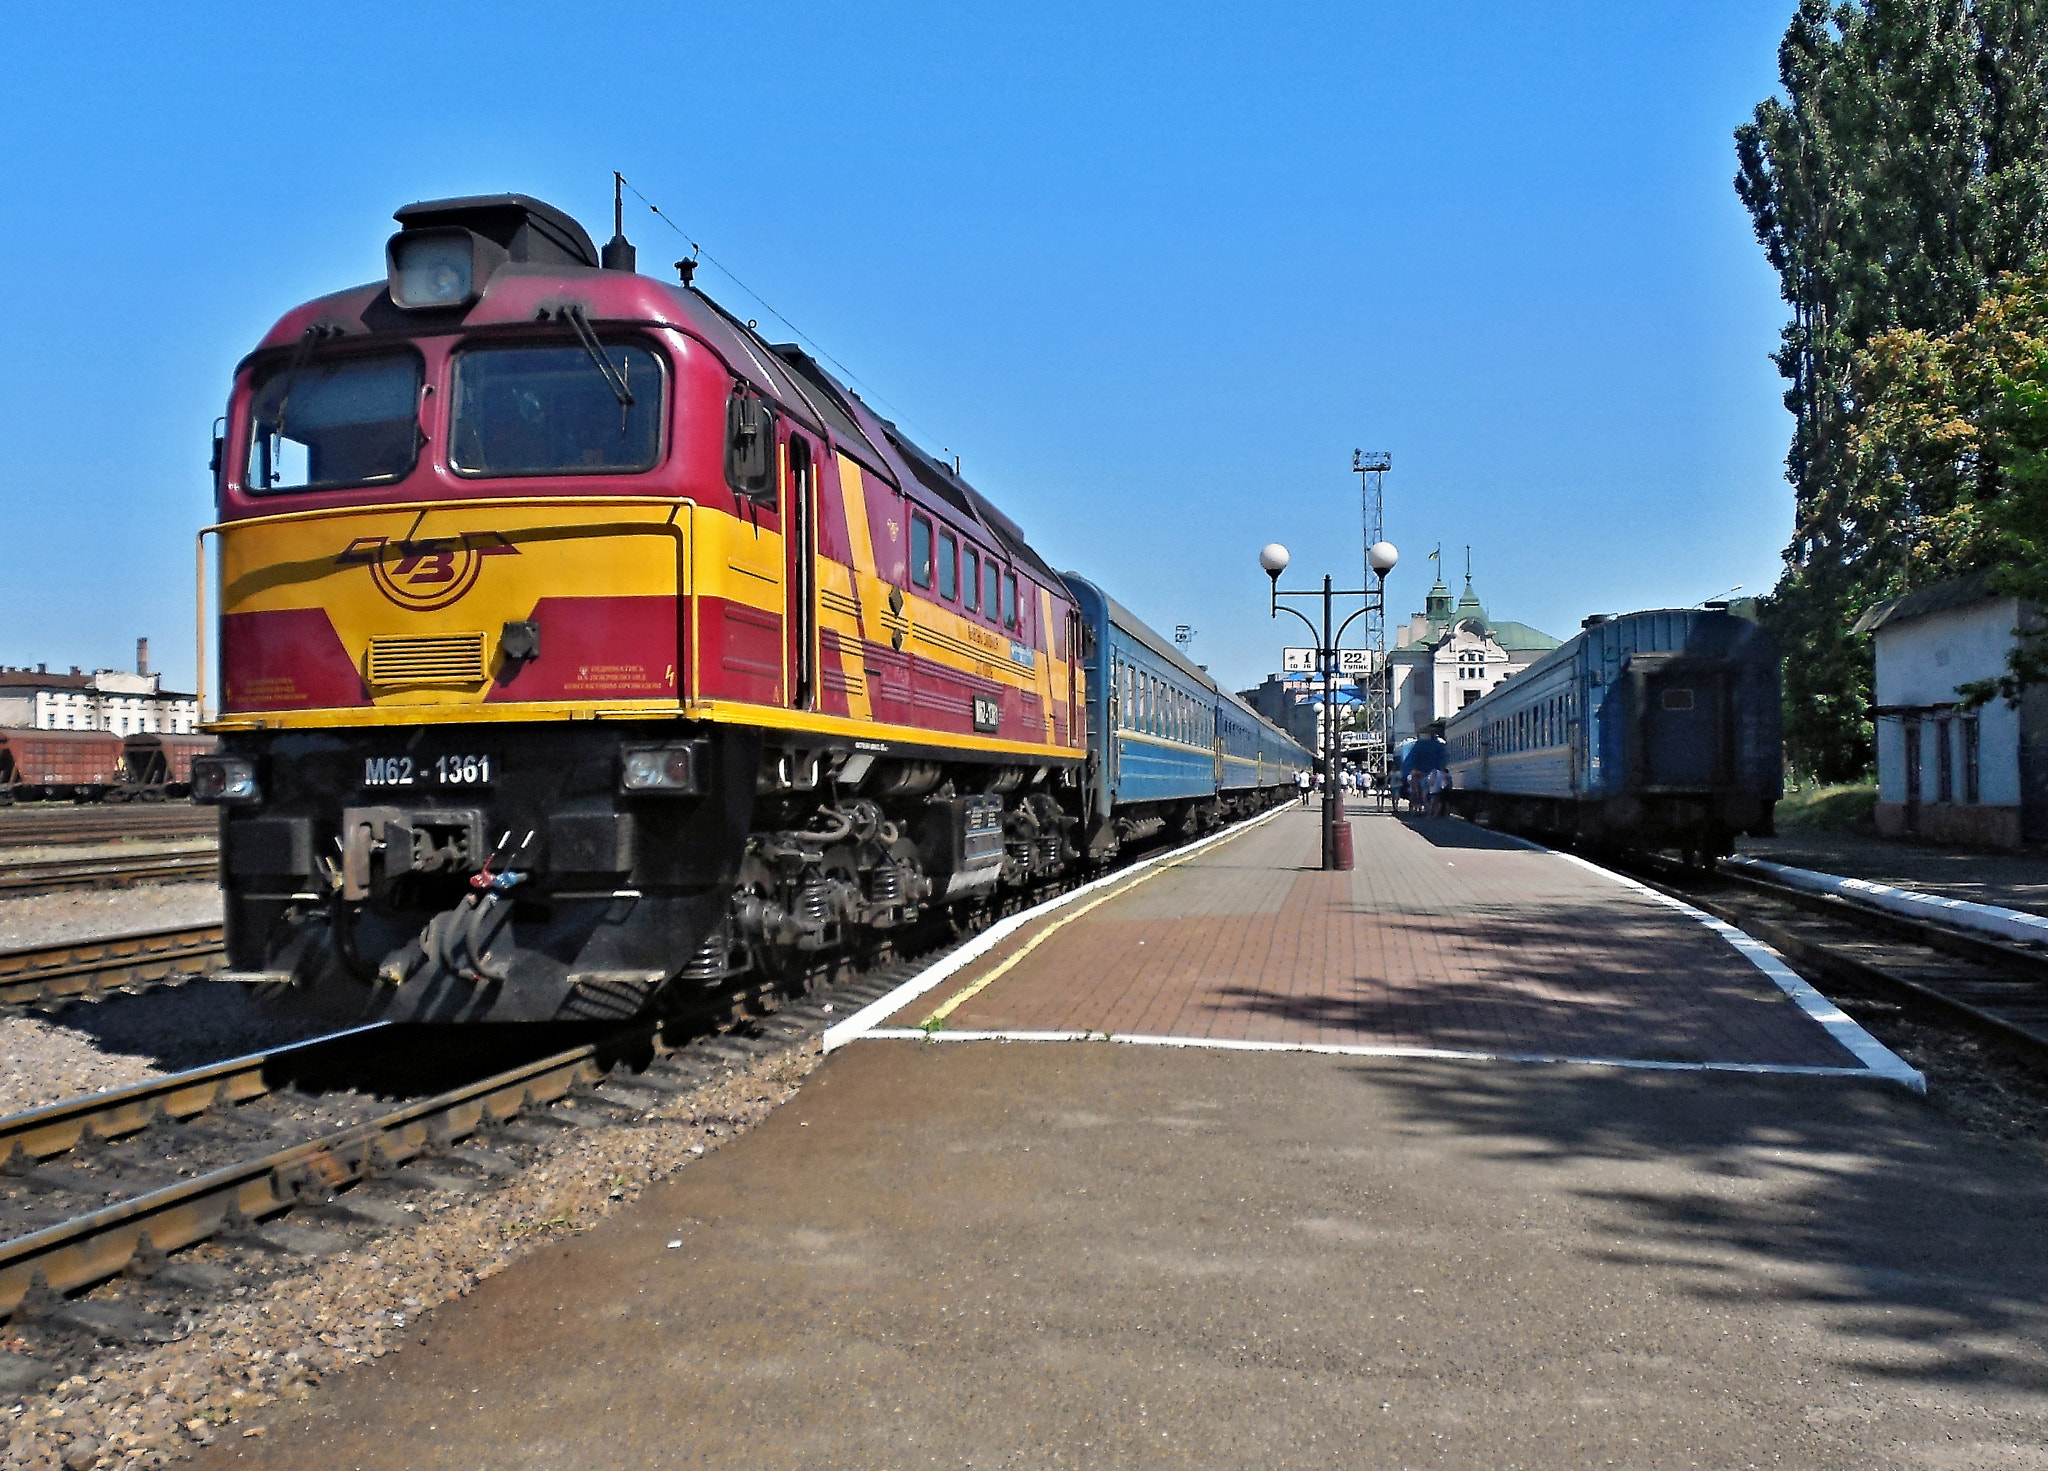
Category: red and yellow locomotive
[580,651]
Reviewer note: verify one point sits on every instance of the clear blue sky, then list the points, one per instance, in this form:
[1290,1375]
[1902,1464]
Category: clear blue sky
[1151,271]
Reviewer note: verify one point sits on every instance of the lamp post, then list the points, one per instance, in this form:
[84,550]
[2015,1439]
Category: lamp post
[1380,559]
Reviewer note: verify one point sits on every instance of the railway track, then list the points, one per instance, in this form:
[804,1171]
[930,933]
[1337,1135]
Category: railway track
[298,1150]
[1995,988]
[48,875]
[301,1150]
[130,822]
[89,968]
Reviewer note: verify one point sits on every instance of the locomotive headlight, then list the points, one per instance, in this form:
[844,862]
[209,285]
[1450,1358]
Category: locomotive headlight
[673,769]
[229,779]
[432,268]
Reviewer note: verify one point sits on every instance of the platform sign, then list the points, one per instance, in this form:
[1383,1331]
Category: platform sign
[1297,661]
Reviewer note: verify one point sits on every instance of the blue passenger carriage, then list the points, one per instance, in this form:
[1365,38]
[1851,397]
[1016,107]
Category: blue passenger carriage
[1168,748]
[1651,729]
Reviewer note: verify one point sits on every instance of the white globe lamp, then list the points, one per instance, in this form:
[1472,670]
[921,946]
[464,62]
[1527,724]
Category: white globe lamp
[1273,557]
[1381,557]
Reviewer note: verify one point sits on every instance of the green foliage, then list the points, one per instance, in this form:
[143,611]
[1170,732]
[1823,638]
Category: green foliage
[1904,169]
[1850,808]
[1950,450]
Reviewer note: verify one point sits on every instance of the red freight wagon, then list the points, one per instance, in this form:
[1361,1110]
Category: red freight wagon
[80,764]
[156,766]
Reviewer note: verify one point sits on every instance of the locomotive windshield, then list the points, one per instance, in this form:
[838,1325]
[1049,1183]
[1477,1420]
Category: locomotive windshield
[349,421]
[555,411]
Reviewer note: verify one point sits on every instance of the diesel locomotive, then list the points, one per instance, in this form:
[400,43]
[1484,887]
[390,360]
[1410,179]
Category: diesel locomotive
[1657,729]
[582,653]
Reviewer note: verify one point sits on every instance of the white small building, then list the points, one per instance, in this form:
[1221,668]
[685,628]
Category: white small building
[104,699]
[1945,773]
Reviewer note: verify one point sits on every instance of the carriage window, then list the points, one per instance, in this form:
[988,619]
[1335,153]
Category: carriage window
[346,422]
[970,579]
[949,566]
[1009,600]
[555,411]
[920,551]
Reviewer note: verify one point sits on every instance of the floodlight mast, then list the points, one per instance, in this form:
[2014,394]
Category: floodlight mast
[1371,467]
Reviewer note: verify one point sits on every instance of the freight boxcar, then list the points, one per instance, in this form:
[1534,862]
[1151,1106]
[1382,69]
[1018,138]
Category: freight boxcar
[1652,729]
[156,766]
[55,765]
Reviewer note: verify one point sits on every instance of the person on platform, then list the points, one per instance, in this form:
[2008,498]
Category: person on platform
[1301,786]
[1427,755]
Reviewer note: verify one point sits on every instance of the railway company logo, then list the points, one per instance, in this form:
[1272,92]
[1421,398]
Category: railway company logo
[421,575]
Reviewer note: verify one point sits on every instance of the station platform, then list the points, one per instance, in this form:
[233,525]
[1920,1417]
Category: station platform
[1446,940]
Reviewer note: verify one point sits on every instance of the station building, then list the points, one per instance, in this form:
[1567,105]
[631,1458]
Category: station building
[1945,773]
[1449,655]
[101,699]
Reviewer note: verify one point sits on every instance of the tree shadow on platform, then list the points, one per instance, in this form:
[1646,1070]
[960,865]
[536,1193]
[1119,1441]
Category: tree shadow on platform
[1913,1250]
[1579,980]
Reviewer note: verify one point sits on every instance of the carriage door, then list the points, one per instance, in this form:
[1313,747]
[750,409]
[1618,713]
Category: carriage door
[800,574]
[1683,726]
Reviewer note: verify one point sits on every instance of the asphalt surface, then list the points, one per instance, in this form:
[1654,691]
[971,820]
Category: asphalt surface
[1082,1254]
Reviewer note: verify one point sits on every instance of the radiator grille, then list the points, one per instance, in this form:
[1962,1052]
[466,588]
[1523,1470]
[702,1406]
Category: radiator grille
[449,658]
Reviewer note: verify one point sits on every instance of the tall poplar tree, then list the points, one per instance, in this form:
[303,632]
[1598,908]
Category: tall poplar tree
[1904,168]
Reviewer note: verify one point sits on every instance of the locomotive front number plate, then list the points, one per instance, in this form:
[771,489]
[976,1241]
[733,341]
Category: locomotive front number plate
[428,771]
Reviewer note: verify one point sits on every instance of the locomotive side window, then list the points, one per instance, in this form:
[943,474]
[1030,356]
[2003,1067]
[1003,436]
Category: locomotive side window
[949,567]
[920,551]
[556,411]
[990,600]
[352,421]
[1009,600]
[970,579]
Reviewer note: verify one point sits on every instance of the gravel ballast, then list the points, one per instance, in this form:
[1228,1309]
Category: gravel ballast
[86,914]
[241,1363]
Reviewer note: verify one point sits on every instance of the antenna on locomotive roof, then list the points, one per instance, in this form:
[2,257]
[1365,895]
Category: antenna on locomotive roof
[618,251]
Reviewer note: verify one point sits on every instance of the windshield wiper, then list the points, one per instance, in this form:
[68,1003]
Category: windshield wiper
[300,353]
[613,378]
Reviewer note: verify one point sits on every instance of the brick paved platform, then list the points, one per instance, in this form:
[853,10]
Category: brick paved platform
[1445,937]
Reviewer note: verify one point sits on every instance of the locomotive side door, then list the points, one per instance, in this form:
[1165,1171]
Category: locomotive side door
[800,573]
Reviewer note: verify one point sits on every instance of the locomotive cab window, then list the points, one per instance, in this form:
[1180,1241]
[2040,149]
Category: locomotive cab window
[555,410]
[970,579]
[990,598]
[920,551]
[1009,600]
[351,421]
[949,567]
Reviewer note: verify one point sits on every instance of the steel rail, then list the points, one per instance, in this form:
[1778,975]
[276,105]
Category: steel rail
[45,875]
[152,822]
[57,1128]
[99,1244]
[88,967]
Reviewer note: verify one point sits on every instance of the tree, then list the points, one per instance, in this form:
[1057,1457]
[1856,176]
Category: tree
[1902,171]
[1951,454]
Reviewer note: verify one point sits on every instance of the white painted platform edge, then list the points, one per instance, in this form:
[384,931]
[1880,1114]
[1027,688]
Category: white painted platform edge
[1873,1054]
[1990,919]
[870,1016]
[1369,1049]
